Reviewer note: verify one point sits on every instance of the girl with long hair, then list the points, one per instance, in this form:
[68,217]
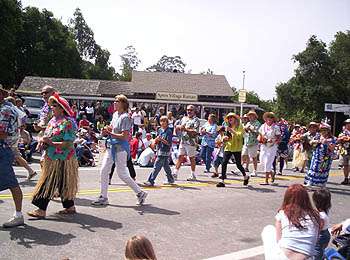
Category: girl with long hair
[139,248]
[296,230]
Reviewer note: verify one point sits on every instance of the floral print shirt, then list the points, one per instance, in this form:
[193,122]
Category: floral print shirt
[61,129]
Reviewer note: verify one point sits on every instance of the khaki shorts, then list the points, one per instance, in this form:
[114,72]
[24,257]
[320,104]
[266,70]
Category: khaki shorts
[189,150]
[344,160]
[250,150]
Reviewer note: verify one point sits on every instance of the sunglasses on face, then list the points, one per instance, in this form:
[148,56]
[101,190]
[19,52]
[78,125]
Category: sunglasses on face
[44,92]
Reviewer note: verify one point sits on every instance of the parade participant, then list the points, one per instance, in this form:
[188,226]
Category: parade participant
[60,165]
[13,140]
[322,156]
[295,233]
[282,149]
[118,151]
[269,137]
[344,141]
[307,138]
[219,145]
[299,156]
[45,112]
[251,143]
[233,146]
[163,142]
[208,132]
[188,131]
[9,128]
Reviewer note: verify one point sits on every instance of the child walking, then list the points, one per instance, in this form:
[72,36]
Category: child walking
[322,201]
[219,144]
[163,142]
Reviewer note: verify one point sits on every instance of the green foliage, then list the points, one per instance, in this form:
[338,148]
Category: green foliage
[322,76]
[130,62]
[253,98]
[208,72]
[10,26]
[168,64]
[46,47]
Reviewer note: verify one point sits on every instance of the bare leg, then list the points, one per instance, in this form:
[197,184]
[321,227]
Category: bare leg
[17,197]
[193,164]
[255,163]
[24,164]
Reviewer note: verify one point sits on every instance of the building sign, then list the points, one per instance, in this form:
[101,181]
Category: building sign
[242,95]
[176,96]
[344,108]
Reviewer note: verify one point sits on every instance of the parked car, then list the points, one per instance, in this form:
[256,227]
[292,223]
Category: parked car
[33,105]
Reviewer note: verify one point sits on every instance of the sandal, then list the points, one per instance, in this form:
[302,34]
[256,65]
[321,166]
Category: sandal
[36,214]
[67,212]
[31,175]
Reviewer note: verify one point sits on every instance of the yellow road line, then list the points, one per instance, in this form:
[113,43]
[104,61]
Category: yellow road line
[182,185]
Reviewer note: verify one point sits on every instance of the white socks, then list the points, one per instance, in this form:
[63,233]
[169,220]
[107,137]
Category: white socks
[17,214]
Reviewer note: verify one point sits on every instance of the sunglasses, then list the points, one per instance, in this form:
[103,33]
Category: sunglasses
[44,92]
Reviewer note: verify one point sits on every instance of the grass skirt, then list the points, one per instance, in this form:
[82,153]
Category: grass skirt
[58,175]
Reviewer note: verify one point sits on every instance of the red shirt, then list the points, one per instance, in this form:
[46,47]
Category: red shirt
[84,123]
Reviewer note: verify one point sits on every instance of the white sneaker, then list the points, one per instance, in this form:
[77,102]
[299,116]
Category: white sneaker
[141,197]
[192,178]
[254,173]
[168,183]
[14,222]
[101,201]
[148,184]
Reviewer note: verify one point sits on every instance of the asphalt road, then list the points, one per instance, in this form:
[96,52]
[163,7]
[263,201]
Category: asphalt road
[194,220]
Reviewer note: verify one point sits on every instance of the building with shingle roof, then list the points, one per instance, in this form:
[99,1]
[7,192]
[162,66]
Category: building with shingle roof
[162,88]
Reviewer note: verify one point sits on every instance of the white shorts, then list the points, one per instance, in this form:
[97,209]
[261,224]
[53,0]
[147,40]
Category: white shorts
[250,150]
[189,150]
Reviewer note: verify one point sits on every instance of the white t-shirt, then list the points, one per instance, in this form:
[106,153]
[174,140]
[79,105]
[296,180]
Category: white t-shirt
[89,110]
[137,118]
[270,132]
[325,218]
[302,241]
[145,157]
[146,142]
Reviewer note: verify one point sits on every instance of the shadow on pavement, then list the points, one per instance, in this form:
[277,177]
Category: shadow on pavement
[339,191]
[29,235]
[148,209]
[1,201]
[18,176]
[27,183]
[88,222]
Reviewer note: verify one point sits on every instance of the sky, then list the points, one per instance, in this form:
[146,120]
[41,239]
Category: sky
[227,36]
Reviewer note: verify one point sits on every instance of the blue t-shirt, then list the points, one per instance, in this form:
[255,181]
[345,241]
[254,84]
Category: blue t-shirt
[210,135]
[162,148]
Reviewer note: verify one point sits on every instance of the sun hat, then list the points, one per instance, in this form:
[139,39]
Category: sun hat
[325,126]
[231,114]
[62,102]
[347,121]
[313,124]
[252,112]
[269,115]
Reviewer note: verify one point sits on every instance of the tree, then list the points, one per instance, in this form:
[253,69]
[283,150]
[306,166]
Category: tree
[168,64]
[96,59]
[130,62]
[83,35]
[46,47]
[10,26]
[208,72]
[305,94]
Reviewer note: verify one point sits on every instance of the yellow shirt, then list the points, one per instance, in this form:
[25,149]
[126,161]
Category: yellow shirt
[235,143]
